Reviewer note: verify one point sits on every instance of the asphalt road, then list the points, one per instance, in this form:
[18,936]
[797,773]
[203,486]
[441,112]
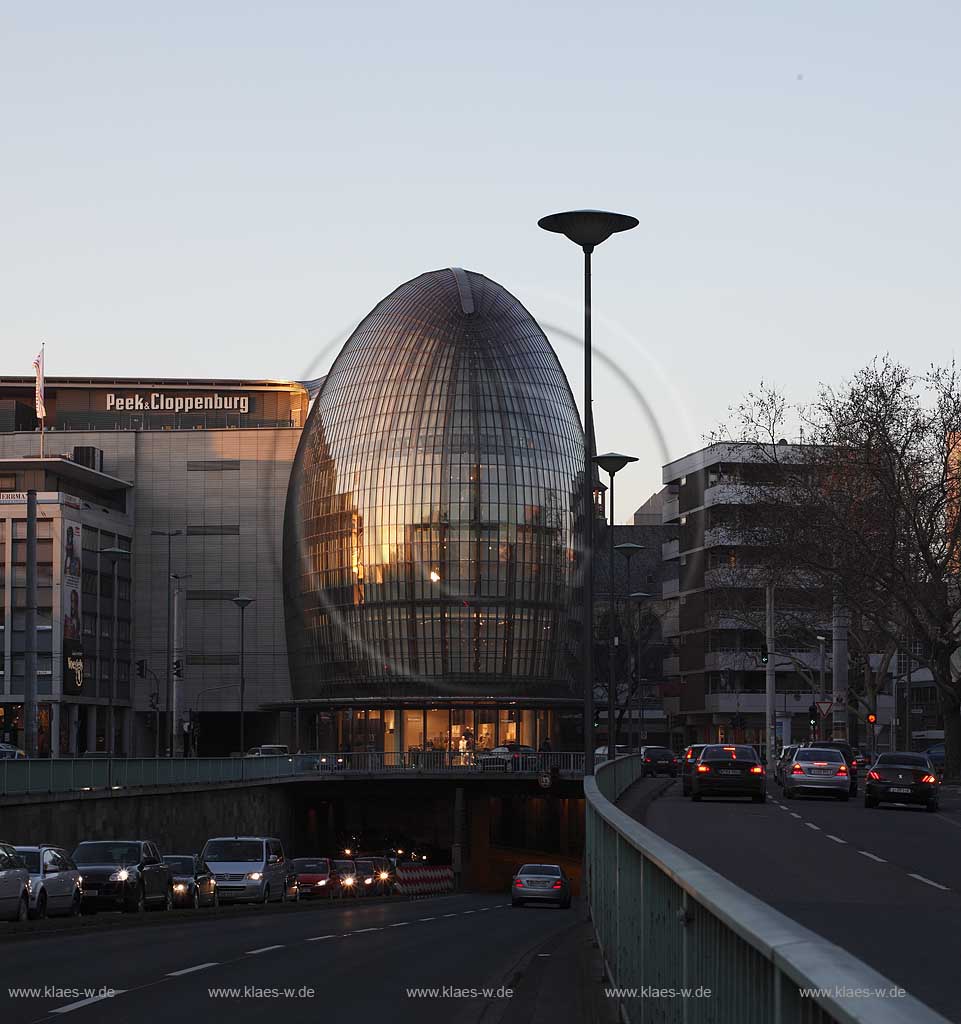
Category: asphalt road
[884,884]
[350,963]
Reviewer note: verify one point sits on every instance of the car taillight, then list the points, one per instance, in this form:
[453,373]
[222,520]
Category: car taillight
[796,769]
[518,884]
[647,760]
[843,770]
[874,775]
[556,885]
[703,768]
[757,770]
[928,778]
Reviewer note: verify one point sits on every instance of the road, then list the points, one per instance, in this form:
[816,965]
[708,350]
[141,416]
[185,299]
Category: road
[885,884]
[353,962]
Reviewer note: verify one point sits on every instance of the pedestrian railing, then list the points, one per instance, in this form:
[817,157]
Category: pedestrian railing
[683,945]
[69,775]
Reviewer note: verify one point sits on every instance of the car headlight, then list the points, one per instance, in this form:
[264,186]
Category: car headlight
[348,880]
[255,876]
[367,881]
[119,876]
[383,876]
[323,881]
[180,887]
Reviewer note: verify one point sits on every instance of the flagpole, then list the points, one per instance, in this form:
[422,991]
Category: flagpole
[43,418]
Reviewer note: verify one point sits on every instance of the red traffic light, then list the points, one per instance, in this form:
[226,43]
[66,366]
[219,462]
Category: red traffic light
[872,718]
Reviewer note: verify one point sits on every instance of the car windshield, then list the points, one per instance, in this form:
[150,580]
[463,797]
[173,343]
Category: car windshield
[345,866]
[319,867]
[31,860]
[818,754]
[729,753]
[181,865]
[655,751]
[365,867]
[249,851]
[540,869]
[107,853]
[907,760]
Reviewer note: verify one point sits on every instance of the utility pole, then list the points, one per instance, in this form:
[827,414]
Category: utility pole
[769,677]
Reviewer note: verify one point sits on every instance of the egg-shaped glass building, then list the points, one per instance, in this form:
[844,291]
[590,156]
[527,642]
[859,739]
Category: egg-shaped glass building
[431,597]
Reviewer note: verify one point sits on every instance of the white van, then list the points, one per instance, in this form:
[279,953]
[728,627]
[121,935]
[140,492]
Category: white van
[248,869]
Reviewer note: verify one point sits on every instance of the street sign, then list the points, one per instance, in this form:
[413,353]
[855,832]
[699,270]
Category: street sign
[825,707]
[544,780]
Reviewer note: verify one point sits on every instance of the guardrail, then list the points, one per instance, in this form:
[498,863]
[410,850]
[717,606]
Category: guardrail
[665,921]
[71,775]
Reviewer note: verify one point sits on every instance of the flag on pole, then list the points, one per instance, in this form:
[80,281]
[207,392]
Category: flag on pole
[38,367]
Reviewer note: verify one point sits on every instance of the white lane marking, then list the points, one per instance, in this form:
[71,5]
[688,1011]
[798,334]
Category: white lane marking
[836,839]
[783,807]
[543,954]
[86,1002]
[427,919]
[927,881]
[794,814]
[810,824]
[320,938]
[400,924]
[450,915]
[470,911]
[873,856]
[360,931]
[482,909]
[263,949]
[190,970]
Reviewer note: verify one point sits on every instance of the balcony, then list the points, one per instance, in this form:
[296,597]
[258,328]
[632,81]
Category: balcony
[729,493]
[670,588]
[671,624]
[670,549]
[722,537]
[670,513]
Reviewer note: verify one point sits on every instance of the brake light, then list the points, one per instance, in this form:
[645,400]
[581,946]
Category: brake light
[843,770]
[556,885]
[797,770]
[518,884]
[928,778]
[703,768]
[756,769]
[874,775]
[690,755]
[647,760]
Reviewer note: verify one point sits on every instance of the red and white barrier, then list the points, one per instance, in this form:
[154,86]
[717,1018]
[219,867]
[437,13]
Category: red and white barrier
[418,880]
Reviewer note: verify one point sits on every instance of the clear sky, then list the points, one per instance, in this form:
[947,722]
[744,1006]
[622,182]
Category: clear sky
[224,188]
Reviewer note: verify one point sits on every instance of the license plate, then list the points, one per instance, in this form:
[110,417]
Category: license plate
[900,789]
[539,885]
[729,771]
[821,771]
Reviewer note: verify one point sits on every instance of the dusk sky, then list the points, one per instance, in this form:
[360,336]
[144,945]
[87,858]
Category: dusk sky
[225,189]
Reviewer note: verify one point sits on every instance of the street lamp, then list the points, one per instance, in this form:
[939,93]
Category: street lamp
[588,228]
[113,554]
[821,642]
[612,463]
[629,550]
[241,603]
[639,596]
[169,534]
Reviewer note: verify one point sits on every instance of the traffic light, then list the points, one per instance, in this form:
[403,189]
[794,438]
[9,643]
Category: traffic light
[179,668]
[764,654]
[142,668]
[154,701]
[813,715]
[872,718]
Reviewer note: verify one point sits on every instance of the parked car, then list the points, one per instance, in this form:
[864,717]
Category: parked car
[935,755]
[316,877]
[8,752]
[822,770]
[268,750]
[729,770]
[688,761]
[659,761]
[541,883]
[786,758]
[55,882]
[193,881]
[14,885]
[247,869]
[847,752]
[123,874]
[510,757]
[902,778]
[347,878]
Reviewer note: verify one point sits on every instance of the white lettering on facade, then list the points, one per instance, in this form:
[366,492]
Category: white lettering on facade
[157,401]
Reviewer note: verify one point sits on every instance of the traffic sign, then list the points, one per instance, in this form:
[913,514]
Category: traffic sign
[825,707]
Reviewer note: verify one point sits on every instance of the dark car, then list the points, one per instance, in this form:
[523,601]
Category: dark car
[728,770]
[902,778]
[688,761]
[316,877]
[658,761]
[127,875]
[193,882]
[348,882]
[375,876]
[850,759]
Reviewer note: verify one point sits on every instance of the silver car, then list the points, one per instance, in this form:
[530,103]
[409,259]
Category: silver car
[56,886]
[817,770]
[14,885]
[786,758]
[248,869]
[541,883]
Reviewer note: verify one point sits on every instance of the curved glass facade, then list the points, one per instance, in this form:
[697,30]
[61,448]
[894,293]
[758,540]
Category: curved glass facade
[429,541]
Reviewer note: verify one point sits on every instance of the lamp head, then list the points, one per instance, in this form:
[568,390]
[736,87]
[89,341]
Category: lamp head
[242,602]
[587,228]
[613,462]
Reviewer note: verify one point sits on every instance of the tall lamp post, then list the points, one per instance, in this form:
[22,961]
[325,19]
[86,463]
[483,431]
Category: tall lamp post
[588,228]
[178,659]
[113,554]
[241,603]
[169,534]
[612,463]
[629,550]
[639,596]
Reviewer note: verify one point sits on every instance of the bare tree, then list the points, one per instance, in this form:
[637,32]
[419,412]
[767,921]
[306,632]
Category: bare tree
[868,506]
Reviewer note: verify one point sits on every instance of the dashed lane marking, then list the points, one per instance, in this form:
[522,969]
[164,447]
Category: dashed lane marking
[320,938]
[873,856]
[927,881]
[794,814]
[400,924]
[836,839]
[263,949]
[70,1007]
[190,970]
[810,824]
[360,931]
[427,919]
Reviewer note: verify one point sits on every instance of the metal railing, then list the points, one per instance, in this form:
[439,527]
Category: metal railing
[664,920]
[71,775]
